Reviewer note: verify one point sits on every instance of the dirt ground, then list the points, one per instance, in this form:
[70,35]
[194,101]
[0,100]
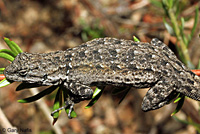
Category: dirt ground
[49,25]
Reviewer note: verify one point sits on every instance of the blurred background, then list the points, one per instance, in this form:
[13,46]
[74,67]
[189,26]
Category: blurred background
[49,25]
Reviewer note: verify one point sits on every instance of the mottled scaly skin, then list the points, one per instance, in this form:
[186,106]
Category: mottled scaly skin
[112,61]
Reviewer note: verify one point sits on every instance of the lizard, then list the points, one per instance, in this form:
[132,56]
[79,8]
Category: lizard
[109,61]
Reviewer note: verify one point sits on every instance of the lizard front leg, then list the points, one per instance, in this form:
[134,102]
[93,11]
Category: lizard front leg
[68,102]
[77,92]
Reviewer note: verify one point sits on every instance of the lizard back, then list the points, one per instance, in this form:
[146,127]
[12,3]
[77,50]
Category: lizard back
[100,61]
[114,61]
[110,61]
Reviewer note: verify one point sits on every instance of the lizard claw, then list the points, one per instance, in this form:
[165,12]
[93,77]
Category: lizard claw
[67,103]
[57,110]
[70,111]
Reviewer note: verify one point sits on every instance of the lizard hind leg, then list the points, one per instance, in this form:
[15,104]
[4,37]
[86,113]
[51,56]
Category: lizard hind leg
[158,96]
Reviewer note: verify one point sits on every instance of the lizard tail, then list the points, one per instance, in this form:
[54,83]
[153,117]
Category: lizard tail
[191,88]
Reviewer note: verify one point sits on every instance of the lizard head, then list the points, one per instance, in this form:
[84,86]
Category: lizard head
[18,69]
[34,68]
[23,69]
[42,69]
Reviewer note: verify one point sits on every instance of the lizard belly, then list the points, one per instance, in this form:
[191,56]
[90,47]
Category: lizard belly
[122,78]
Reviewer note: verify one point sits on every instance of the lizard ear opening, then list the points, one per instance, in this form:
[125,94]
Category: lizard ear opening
[157,97]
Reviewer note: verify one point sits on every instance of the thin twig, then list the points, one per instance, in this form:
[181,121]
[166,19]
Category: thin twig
[5,124]
[139,5]
[43,106]
[189,109]
[178,35]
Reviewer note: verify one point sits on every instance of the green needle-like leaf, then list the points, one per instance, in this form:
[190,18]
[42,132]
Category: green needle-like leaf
[179,97]
[171,3]
[156,3]
[179,105]
[177,100]
[66,95]
[6,56]
[168,27]
[198,66]
[124,95]
[26,85]
[96,96]
[196,125]
[73,113]
[17,48]
[195,23]
[57,103]
[96,92]
[135,39]
[39,95]
[13,46]
[11,53]
[182,31]
[4,83]
[118,90]
[1,70]
[10,45]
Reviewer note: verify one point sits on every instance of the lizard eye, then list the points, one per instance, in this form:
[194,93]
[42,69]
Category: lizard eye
[22,72]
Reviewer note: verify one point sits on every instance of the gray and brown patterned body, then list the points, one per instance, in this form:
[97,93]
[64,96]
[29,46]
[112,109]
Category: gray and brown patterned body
[112,61]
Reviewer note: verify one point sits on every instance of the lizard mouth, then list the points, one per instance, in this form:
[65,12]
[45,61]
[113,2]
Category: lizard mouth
[11,71]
